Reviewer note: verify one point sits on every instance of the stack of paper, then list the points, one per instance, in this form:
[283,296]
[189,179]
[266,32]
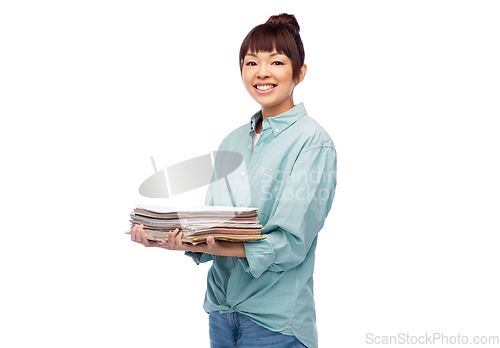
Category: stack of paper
[234,224]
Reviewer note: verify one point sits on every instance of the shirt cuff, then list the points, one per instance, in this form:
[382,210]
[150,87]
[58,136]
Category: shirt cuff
[199,257]
[259,256]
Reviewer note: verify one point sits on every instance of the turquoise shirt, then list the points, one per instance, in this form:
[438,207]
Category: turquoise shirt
[290,177]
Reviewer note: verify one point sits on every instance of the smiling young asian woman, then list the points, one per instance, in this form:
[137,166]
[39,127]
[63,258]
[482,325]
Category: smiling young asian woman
[260,294]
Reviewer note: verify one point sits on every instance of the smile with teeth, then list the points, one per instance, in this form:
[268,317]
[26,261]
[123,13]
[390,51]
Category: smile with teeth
[264,87]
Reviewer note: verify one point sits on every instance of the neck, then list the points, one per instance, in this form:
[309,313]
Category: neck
[275,110]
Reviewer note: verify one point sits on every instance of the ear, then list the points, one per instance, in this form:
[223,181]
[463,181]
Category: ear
[302,74]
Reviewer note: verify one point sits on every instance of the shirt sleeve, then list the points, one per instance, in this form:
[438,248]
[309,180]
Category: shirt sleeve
[203,257]
[303,206]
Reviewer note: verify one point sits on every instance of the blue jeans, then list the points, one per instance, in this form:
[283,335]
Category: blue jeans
[230,330]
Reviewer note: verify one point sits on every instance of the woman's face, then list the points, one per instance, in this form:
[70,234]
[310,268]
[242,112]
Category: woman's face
[268,77]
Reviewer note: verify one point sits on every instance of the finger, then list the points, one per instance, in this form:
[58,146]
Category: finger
[178,240]
[172,239]
[137,235]
[210,241]
[144,238]
[133,233]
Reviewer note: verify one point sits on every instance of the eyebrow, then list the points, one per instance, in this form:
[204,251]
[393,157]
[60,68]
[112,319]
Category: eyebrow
[272,54]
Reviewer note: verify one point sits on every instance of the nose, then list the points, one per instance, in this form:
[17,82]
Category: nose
[263,71]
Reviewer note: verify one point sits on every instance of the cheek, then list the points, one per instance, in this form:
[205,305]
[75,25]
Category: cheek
[247,82]
[244,78]
[286,77]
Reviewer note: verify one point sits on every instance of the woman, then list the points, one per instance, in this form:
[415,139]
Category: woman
[260,294]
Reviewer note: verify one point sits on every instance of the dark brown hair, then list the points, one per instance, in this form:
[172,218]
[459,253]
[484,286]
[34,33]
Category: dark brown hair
[280,33]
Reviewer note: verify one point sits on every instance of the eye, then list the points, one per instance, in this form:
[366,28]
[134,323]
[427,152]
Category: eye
[276,63]
[251,64]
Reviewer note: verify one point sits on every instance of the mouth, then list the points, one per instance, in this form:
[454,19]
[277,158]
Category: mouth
[266,88]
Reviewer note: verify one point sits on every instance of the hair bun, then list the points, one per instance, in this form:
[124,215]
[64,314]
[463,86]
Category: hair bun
[285,18]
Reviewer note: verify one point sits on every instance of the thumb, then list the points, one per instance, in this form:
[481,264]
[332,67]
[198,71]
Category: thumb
[210,241]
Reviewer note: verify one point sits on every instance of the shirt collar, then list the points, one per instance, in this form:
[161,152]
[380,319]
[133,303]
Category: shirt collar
[281,122]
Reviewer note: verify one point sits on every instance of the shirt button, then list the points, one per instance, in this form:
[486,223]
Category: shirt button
[277,130]
[243,174]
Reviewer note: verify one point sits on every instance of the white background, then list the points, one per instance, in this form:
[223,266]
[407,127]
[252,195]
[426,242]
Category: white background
[408,90]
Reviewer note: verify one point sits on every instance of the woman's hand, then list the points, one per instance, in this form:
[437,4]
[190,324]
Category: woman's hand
[210,246]
[138,235]
[174,242]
